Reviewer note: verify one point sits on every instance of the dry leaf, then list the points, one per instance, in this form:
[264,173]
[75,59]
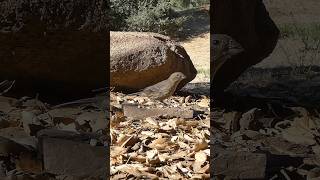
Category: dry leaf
[160,143]
[200,159]
[200,146]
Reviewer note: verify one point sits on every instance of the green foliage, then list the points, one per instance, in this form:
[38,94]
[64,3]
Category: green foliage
[145,15]
[155,18]
[204,71]
[119,11]
[197,3]
[184,4]
[181,3]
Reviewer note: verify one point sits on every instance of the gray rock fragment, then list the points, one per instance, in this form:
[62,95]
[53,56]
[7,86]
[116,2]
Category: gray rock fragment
[240,165]
[74,158]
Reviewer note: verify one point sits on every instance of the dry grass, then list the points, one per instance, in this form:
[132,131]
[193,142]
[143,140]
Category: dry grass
[299,44]
[306,11]
[198,49]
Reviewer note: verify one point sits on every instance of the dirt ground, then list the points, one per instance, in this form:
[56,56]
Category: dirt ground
[198,49]
[195,38]
[292,69]
[300,13]
[306,11]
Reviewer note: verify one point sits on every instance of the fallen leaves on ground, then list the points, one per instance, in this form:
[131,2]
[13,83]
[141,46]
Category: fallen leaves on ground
[160,147]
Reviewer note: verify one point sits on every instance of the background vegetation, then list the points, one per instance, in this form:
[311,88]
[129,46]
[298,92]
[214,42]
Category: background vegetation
[160,16]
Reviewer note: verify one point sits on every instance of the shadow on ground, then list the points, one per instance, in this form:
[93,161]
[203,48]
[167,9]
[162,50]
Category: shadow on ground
[201,88]
[299,86]
[198,23]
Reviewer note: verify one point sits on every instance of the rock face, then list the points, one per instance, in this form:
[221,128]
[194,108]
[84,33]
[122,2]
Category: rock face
[139,60]
[249,23]
[53,47]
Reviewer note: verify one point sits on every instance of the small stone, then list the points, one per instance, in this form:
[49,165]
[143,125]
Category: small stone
[73,158]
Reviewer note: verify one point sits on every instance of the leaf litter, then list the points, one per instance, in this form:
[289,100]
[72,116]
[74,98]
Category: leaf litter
[245,141]
[160,146]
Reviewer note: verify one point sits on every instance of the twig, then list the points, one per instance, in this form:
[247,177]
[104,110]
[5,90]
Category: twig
[7,85]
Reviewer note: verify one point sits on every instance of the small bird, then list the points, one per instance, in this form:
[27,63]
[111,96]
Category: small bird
[163,89]
[223,47]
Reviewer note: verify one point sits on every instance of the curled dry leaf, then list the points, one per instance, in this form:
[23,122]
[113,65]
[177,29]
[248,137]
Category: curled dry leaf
[301,132]
[201,146]
[180,154]
[200,159]
[117,151]
[160,143]
[137,170]
[188,138]
[152,154]
[126,141]
[314,174]
[204,103]
[152,121]
[183,145]
[116,119]
[135,157]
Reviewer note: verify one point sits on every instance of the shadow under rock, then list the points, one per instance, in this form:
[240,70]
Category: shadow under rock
[298,86]
[277,162]
[202,88]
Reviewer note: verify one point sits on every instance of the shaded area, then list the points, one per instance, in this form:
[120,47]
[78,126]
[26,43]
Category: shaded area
[46,47]
[273,108]
[276,162]
[298,86]
[261,34]
[273,112]
[197,23]
[201,88]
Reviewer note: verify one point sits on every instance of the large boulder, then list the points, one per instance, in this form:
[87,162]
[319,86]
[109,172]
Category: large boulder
[54,48]
[249,23]
[138,60]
